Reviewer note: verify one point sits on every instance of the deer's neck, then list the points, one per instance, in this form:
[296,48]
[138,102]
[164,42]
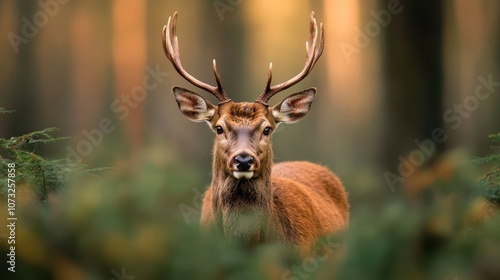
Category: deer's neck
[243,208]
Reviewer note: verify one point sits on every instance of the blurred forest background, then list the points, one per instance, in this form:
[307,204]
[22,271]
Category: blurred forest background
[392,73]
[378,91]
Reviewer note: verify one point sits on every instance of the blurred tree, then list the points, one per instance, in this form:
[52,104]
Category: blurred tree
[229,44]
[90,50]
[25,87]
[471,53]
[413,78]
[129,61]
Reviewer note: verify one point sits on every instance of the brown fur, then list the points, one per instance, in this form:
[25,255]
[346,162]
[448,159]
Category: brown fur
[249,198]
[290,202]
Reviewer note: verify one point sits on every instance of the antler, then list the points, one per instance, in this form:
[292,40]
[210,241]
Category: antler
[171,49]
[313,52]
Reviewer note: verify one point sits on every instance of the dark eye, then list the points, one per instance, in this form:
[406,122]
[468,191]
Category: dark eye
[219,129]
[267,131]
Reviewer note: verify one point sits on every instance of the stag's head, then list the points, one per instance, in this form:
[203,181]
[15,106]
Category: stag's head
[242,147]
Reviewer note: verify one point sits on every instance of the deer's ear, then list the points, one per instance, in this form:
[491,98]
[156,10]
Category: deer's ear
[192,105]
[294,107]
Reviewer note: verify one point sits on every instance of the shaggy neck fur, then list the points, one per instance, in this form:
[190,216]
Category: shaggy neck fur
[243,208]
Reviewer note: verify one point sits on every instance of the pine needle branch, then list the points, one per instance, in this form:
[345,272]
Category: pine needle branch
[42,175]
[489,184]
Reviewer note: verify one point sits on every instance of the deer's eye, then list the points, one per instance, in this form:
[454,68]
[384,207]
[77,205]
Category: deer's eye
[267,131]
[219,129]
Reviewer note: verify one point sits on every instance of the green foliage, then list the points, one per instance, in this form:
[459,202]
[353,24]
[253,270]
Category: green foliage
[447,231]
[489,184]
[42,175]
[129,224]
[3,111]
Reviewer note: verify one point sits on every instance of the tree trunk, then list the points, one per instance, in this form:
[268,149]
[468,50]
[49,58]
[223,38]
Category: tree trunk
[413,81]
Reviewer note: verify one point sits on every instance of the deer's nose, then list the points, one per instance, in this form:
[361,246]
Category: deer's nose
[243,162]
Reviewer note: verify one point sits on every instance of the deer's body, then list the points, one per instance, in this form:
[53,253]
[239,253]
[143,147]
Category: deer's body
[306,201]
[249,197]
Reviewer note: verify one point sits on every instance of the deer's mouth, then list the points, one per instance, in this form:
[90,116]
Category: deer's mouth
[243,174]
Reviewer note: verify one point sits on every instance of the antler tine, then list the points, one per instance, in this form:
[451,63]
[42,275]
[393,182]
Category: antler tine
[217,79]
[313,52]
[269,77]
[171,48]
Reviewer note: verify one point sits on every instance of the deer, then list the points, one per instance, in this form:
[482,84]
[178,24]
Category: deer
[250,197]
